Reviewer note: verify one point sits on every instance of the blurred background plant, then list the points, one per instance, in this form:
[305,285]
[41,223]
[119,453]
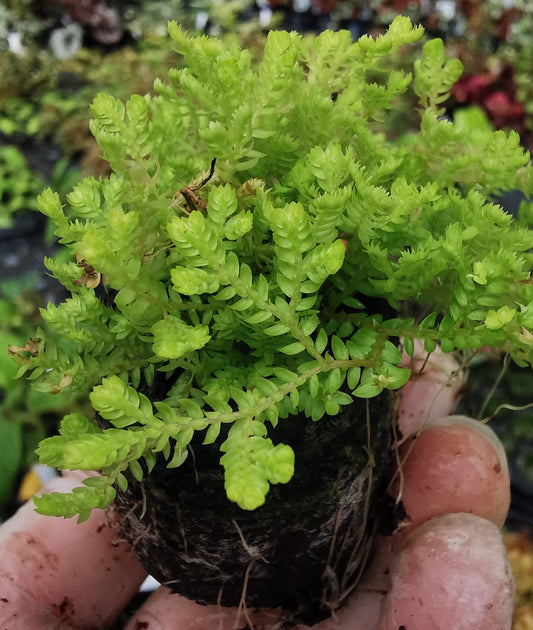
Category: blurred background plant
[26,415]
[19,185]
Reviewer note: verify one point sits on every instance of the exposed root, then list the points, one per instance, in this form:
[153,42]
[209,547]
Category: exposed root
[347,538]
[505,365]
[360,568]
[219,606]
[399,463]
[255,555]
[114,521]
[509,408]
[143,512]
[253,552]
[131,510]
[242,607]
[357,560]
[331,597]
[338,588]
[193,458]
[334,536]
[354,561]
[182,531]
[141,536]
[488,398]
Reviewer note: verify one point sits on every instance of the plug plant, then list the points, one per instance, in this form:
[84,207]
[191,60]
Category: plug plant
[242,286]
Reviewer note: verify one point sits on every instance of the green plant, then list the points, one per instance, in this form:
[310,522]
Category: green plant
[19,185]
[247,289]
[26,415]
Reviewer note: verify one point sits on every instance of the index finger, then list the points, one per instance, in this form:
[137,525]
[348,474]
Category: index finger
[56,573]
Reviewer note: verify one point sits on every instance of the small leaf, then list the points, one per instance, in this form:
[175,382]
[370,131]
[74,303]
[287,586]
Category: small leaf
[313,386]
[390,353]
[343,398]
[396,377]
[338,348]
[354,303]
[334,380]
[136,470]
[429,345]
[332,407]
[276,330]
[122,482]
[262,287]
[212,433]
[409,346]
[447,345]
[150,460]
[345,330]
[354,374]
[242,304]
[362,343]
[368,391]
[428,322]
[285,375]
[178,458]
[292,348]
[226,293]
[498,319]
[258,317]
[245,275]
[321,340]
[295,397]
[191,408]
[369,386]
[309,324]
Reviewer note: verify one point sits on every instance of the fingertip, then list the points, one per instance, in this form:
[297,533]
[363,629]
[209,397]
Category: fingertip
[450,572]
[481,428]
[455,465]
[433,390]
[79,572]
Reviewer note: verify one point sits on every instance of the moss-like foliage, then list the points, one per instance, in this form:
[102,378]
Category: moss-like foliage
[242,296]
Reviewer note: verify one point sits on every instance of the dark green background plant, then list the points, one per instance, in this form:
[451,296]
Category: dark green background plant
[19,185]
[247,293]
[26,415]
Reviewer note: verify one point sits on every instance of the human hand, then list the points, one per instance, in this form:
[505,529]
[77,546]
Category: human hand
[445,568]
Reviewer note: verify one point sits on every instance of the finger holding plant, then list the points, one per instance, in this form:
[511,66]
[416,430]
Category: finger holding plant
[39,595]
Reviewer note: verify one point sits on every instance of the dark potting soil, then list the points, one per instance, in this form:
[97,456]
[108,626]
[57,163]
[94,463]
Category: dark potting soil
[303,550]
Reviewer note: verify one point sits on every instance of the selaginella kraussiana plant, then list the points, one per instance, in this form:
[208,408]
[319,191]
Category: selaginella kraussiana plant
[222,277]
